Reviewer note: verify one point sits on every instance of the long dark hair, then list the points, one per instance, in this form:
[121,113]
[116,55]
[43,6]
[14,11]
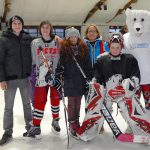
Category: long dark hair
[48,23]
[67,52]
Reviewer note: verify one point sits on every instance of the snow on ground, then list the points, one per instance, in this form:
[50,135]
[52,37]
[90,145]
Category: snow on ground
[51,141]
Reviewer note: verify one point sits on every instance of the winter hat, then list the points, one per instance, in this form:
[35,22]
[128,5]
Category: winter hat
[72,32]
[15,18]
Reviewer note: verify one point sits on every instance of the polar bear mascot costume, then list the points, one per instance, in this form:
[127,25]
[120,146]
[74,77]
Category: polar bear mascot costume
[137,43]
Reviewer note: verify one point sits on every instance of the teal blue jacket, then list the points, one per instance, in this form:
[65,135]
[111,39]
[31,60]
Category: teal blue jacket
[96,50]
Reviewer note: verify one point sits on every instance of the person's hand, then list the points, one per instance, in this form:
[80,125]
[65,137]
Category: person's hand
[128,84]
[86,87]
[94,80]
[58,87]
[130,87]
[3,85]
[60,72]
[48,77]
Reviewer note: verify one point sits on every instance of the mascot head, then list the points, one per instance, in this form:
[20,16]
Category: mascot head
[138,21]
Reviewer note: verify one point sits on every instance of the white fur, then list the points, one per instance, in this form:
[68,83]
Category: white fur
[137,40]
[138,21]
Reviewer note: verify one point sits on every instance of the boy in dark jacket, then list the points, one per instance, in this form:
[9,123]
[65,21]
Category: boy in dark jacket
[15,67]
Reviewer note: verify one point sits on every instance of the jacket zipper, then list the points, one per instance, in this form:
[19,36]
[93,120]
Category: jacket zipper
[92,56]
[21,57]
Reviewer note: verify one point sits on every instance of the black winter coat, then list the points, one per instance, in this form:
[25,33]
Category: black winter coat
[15,56]
[74,82]
[105,68]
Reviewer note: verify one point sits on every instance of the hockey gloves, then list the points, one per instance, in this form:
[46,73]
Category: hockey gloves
[130,87]
[58,86]
[50,78]
[86,86]
[60,72]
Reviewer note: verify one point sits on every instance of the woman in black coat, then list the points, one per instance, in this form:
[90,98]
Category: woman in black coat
[74,82]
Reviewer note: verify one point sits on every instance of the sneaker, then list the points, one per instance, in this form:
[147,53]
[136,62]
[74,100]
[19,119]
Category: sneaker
[5,139]
[55,125]
[33,132]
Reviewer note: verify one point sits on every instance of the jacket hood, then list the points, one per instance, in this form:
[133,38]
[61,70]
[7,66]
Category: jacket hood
[87,40]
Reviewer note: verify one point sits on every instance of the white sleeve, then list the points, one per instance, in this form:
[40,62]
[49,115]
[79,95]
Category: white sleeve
[33,52]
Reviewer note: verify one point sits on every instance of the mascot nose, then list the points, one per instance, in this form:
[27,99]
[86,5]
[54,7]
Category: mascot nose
[138,29]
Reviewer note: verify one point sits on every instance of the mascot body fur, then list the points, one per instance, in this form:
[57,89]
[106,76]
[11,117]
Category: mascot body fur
[137,43]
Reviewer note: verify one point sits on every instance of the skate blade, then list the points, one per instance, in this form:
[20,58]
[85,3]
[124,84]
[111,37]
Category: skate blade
[54,131]
[75,137]
[29,138]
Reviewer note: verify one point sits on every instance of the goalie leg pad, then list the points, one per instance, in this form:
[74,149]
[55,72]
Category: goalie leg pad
[137,118]
[93,117]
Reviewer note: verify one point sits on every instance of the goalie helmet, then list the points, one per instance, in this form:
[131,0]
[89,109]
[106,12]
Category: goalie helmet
[116,38]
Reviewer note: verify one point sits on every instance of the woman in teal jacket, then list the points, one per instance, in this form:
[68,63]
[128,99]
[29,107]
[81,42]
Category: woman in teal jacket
[95,43]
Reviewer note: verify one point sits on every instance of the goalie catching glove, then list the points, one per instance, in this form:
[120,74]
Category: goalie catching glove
[130,86]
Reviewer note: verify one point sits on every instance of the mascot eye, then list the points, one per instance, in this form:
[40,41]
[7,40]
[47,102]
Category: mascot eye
[142,19]
[134,19]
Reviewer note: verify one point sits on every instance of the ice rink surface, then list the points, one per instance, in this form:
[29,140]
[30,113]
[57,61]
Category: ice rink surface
[51,141]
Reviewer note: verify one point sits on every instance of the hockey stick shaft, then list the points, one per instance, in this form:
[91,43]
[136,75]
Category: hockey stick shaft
[111,122]
[65,112]
[45,59]
[115,129]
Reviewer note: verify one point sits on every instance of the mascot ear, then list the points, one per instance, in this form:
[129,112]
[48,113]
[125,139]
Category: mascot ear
[127,12]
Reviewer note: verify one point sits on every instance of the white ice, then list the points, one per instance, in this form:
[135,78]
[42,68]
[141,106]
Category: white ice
[51,141]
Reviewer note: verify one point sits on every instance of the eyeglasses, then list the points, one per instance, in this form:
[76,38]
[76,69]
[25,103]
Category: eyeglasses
[92,31]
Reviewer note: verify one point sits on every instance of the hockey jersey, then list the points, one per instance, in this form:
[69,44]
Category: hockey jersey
[51,52]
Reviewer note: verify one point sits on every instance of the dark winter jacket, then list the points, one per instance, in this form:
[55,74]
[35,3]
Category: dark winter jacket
[74,82]
[107,69]
[15,56]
